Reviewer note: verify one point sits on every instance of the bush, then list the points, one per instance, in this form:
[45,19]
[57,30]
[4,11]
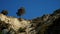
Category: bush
[5,12]
[0,32]
[21,29]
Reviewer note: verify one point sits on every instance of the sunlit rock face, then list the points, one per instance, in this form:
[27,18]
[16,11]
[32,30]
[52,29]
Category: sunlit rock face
[47,24]
[14,23]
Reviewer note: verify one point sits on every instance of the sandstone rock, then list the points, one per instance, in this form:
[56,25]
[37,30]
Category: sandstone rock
[47,24]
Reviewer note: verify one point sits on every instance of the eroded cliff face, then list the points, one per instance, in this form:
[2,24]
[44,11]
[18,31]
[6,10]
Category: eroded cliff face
[47,24]
[13,23]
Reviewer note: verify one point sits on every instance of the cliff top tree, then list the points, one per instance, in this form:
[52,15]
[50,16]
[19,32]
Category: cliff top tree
[21,11]
[5,12]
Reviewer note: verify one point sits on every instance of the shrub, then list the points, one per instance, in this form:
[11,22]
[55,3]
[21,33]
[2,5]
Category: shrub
[5,12]
[21,29]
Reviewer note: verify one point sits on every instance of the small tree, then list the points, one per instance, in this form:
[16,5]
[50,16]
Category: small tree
[5,12]
[21,11]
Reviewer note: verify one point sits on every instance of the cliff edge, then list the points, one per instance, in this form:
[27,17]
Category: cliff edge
[47,24]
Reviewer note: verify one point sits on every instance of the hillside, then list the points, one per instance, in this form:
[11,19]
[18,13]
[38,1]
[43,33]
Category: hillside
[47,24]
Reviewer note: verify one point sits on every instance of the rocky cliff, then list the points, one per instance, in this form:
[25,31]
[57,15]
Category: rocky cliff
[47,24]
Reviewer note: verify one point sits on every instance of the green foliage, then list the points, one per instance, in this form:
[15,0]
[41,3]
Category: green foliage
[5,12]
[21,11]
[0,32]
[21,29]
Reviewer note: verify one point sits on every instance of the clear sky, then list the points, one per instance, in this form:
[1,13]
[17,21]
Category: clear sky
[34,8]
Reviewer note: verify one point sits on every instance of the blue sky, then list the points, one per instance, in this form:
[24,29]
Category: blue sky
[34,8]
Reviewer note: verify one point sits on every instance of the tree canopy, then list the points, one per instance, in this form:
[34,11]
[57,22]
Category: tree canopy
[21,11]
[5,12]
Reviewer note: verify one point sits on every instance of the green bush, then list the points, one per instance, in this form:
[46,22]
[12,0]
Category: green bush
[21,29]
[5,12]
[0,32]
